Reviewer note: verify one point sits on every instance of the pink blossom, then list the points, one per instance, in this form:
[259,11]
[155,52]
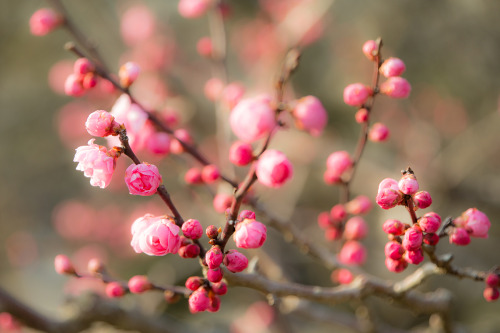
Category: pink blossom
[246,214]
[101,123]
[431,239]
[459,236]
[210,173]
[310,115]
[324,220]
[338,213]
[44,21]
[133,118]
[214,274]
[63,265]
[430,222]
[213,89]
[356,94]
[352,253]
[73,86]
[221,202]
[396,87]
[394,250]
[214,257]
[370,48]
[250,234]
[96,163]
[361,116]
[422,199]
[155,236]
[193,8]
[158,143]
[193,176]
[392,67]
[193,282]
[220,288]
[477,222]
[408,184]
[355,228]
[388,183]
[139,284]
[214,304]
[396,266]
[339,162]
[198,300]
[176,146]
[414,257]
[114,289]
[189,251]
[492,280]
[359,206]
[273,168]
[212,232]
[388,198]
[393,227]
[89,81]
[83,66]
[240,153]
[142,179]
[378,133]
[413,238]
[253,118]
[192,229]
[491,294]
[235,261]
[128,73]
[232,94]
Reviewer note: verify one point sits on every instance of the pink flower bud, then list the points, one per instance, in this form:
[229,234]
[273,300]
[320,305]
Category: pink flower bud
[422,199]
[352,253]
[273,168]
[356,94]
[430,222]
[183,135]
[339,162]
[362,116]
[95,266]
[193,177]
[253,118]
[214,275]
[413,238]
[189,251]
[214,304]
[83,66]
[142,179]
[396,266]
[204,47]
[333,233]
[63,265]
[210,174]
[392,67]
[408,184]
[396,87]
[194,282]
[220,288]
[212,232]
[155,236]
[213,89]
[232,94]
[491,294]
[370,49]
[394,250]
[139,284]
[459,236]
[331,177]
[355,228]
[235,261]
[431,239]
[310,115]
[89,81]
[388,198]
[101,123]
[388,183]
[477,222]
[378,133]
[192,229]
[324,220]
[193,8]
[44,21]
[96,163]
[338,213]
[240,153]
[250,234]
[198,300]
[214,257]
[359,206]
[158,143]
[414,257]
[128,73]
[221,202]
[246,214]
[393,227]
[492,280]
[114,289]
[342,276]
[73,86]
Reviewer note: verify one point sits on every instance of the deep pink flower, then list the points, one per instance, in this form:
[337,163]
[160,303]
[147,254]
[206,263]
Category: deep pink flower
[361,116]
[378,133]
[273,168]
[193,282]
[413,238]
[356,94]
[352,253]
[192,229]
[155,236]
[394,227]
[73,86]
[253,118]
[491,294]
[477,222]
[210,173]
[214,304]
[310,115]
[388,198]
[63,265]
[114,289]
[459,236]
[422,199]
[414,257]
[338,213]
[139,284]
[189,251]
[430,222]
[193,176]
[246,214]
[240,153]
[359,206]
[214,274]
[396,87]
[394,250]
[222,201]
[235,261]
[101,123]
[324,220]
[44,21]
[96,163]
[342,276]
[220,288]
[408,184]
[250,234]
[396,266]
[142,179]
[214,257]
[339,162]
[198,300]
[355,228]
[392,67]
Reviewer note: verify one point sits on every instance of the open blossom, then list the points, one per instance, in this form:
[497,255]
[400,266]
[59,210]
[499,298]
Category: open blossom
[155,236]
[252,118]
[96,163]
[142,179]
[250,234]
[310,115]
[44,21]
[273,168]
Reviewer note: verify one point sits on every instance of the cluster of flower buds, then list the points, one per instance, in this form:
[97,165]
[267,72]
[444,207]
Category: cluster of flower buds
[209,174]
[473,223]
[82,79]
[205,295]
[392,193]
[491,292]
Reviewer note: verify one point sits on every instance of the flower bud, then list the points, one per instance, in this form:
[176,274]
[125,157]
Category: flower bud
[414,257]
[63,265]
[198,300]
[339,162]
[394,250]
[477,222]
[355,228]
[142,179]
[204,47]
[396,87]
[491,294]
[221,202]
[431,239]
[246,214]
[235,261]
[213,88]
[83,66]
[430,222]
[192,229]
[139,284]
[459,236]
[44,21]
[220,288]
[193,177]
[250,234]
[361,116]
[370,49]
[356,94]
[128,73]
[324,220]
[413,238]
[101,123]
[359,206]
[492,280]
[392,67]
[73,86]
[422,199]
[95,266]
[338,213]
[232,93]
[252,118]
[342,276]
[212,232]
[214,304]
[333,233]
[158,143]
[194,282]
[114,289]
[210,173]
[273,168]
[214,275]
[310,115]
[378,133]
[189,251]
[240,153]
[396,266]
[214,257]
[408,184]
[388,198]
[393,227]
[352,253]
[183,135]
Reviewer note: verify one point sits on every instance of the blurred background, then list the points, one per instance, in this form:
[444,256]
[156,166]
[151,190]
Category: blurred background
[447,131]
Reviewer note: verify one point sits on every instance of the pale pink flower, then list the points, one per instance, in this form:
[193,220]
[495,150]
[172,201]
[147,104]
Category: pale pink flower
[192,229]
[356,94]
[396,87]
[250,234]
[198,300]
[101,123]
[477,222]
[96,163]
[408,184]
[392,67]
[193,8]
[44,21]
[142,179]
[352,253]
[388,195]
[240,153]
[355,228]
[214,257]
[273,168]
[310,115]
[235,261]
[253,118]
[155,236]
[369,49]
